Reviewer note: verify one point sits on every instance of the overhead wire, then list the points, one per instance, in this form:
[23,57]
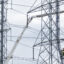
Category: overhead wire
[17,11]
[20,5]
[17,5]
[24,45]
[22,26]
[25,37]
[31,29]
[23,58]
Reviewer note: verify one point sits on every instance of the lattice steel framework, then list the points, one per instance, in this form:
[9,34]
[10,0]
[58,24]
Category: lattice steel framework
[3,31]
[50,49]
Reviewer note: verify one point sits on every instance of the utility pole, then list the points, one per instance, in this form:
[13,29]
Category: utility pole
[2,21]
[3,32]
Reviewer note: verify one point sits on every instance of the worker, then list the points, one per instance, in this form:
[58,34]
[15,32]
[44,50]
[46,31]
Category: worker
[63,52]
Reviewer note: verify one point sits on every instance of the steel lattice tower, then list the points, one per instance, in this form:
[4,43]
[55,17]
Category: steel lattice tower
[50,49]
[3,31]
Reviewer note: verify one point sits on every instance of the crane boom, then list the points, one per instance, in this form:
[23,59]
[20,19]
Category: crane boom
[16,43]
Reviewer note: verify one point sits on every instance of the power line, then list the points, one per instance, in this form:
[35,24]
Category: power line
[16,11]
[26,37]
[22,26]
[20,5]
[24,45]
[23,58]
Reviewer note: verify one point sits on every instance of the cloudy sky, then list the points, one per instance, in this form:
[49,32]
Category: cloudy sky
[17,19]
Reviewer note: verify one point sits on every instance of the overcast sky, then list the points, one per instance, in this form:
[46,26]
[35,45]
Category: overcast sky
[17,19]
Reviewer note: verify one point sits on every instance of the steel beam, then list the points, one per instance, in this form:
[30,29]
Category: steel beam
[43,15]
[46,42]
[2,21]
[58,30]
[42,6]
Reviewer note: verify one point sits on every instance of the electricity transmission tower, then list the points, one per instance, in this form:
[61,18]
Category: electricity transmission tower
[50,49]
[3,30]
[49,45]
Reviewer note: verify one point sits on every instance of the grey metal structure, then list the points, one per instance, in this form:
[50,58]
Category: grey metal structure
[50,48]
[3,30]
[49,45]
